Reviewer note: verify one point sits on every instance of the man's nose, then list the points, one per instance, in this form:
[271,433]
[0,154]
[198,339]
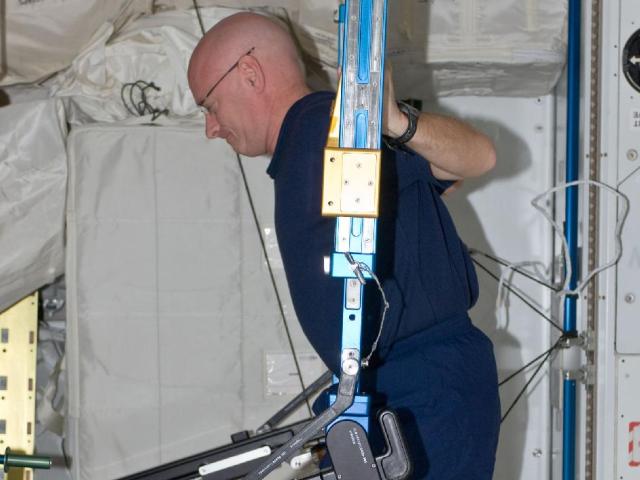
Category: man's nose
[212,127]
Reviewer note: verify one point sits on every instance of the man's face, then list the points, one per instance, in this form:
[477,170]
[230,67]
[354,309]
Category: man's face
[230,108]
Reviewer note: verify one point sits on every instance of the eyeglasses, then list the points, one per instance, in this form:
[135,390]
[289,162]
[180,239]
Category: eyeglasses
[200,104]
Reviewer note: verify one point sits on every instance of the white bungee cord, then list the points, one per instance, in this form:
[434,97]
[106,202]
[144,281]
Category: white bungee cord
[565,247]
[511,267]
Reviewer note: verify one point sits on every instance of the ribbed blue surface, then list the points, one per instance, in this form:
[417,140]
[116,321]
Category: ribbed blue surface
[364,47]
[569,431]
[352,318]
[571,228]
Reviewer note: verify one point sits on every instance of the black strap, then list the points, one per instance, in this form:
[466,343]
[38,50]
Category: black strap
[412,115]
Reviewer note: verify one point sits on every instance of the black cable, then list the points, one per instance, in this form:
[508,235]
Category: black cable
[524,273]
[141,107]
[273,279]
[124,102]
[526,385]
[522,369]
[197,8]
[520,296]
[264,251]
[545,356]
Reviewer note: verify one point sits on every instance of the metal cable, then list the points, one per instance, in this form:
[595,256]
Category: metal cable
[363,266]
[504,263]
[526,385]
[197,9]
[521,297]
[522,369]
[273,279]
[264,251]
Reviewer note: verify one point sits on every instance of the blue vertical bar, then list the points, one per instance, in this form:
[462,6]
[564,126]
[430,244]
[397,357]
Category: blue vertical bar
[361,134]
[359,49]
[364,43]
[571,229]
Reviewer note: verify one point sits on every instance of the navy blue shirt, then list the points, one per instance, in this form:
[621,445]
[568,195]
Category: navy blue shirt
[424,267]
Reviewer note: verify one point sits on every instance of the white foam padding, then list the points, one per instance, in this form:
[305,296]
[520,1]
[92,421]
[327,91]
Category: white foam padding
[445,47]
[170,310]
[33,180]
[43,36]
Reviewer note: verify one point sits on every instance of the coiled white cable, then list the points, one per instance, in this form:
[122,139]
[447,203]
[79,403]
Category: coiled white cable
[565,247]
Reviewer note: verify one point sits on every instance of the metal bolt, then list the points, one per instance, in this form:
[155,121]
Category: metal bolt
[632,154]
[629,298]
[537,453]
[350,366]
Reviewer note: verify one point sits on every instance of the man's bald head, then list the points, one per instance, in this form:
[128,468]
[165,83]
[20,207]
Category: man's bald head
[270,77]
[236,34]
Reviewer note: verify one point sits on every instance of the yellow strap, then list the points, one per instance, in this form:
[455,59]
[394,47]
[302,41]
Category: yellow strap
[333,139]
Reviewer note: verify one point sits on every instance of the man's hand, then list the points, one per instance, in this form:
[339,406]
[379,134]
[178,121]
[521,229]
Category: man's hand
[394,122]
[454,149]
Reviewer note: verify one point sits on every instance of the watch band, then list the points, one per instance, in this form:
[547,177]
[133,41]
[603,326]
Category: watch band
[412,114]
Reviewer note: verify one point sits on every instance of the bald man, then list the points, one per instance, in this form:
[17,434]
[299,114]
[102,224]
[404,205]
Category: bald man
[433,367]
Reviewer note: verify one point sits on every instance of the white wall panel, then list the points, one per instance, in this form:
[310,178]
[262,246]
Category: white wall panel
[493,214]
[628,418]
[171,313]
[628,118]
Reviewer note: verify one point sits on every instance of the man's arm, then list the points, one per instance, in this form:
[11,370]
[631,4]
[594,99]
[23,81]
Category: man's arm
[454,149]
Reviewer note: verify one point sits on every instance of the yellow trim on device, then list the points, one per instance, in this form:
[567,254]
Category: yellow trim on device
[18,349]
[351,177]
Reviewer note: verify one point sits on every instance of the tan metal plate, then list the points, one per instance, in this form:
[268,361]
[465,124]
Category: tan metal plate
[351,182]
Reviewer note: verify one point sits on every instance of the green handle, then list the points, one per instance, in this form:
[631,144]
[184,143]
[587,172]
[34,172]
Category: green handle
[23,461]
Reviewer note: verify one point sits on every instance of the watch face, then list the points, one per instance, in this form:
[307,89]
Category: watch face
[631,60]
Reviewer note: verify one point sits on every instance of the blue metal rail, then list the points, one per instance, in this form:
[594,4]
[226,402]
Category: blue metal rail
[571,229]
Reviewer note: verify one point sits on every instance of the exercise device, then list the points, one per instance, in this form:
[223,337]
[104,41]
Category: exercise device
[351,186]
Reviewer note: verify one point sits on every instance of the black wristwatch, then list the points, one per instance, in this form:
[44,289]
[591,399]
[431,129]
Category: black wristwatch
[412,114]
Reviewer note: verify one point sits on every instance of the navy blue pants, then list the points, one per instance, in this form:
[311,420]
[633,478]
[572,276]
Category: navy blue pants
[442,384]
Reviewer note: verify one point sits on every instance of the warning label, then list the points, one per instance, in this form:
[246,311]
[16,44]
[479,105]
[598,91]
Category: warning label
[634,444]
[635,119]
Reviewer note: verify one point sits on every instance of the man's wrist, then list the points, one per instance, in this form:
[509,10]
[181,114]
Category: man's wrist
[400,125]
[411,116]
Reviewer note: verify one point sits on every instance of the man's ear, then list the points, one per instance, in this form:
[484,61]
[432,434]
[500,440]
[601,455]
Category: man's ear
[252,73]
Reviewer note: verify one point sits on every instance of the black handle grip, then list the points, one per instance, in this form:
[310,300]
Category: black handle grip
[394,464]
